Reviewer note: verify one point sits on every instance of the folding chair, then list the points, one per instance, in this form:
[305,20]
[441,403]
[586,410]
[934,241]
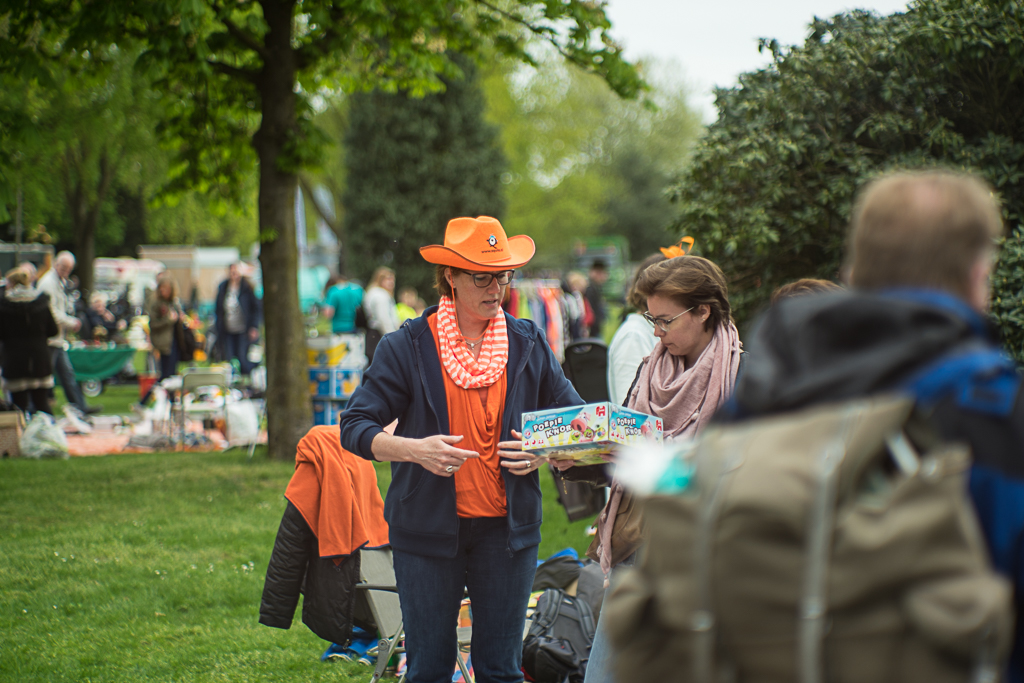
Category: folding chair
[192,379]
[378,585]
[586,367]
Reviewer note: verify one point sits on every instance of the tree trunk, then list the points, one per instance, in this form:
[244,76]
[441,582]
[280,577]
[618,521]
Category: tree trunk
[289,408]
[85,254]
[85,217]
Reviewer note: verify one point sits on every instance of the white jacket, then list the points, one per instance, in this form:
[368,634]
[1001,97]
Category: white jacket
[633,342]
[60,305]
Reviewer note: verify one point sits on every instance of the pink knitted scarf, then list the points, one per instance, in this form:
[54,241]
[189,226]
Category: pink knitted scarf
[684,398]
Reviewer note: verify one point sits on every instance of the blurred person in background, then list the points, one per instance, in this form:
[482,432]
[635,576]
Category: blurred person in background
[578,310]
[237,318]
[100,323]
[803,286]
[26,324]
[597,275]
[164,310]
[633,341]
[379,302]
[686,378]
[407,298]
[379,307]
[55,283]
[30,268]
[340,304]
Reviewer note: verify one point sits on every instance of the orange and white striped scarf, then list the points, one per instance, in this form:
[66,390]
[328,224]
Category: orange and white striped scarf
[466,371]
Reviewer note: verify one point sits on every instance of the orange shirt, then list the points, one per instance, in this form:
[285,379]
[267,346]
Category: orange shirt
[476,415]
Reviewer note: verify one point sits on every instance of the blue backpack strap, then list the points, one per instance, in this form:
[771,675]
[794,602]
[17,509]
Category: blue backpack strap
[979,378]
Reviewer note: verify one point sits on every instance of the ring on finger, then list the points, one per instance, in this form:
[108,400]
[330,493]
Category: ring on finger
[449,468]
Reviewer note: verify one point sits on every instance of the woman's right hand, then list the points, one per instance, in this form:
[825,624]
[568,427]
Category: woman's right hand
[439,455]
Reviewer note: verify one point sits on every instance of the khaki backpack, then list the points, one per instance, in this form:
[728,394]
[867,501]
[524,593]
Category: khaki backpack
[832,545]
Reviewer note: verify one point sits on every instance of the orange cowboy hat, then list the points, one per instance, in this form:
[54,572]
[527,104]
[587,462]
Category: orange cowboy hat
[479,244]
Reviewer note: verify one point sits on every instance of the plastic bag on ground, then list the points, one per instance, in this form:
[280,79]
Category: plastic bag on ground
[43,438]
[243,423]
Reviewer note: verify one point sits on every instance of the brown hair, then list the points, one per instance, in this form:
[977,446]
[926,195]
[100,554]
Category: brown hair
[923,229]
[440,282]
[18,276]
[633,298]
[166,277]
[690,281]
[803,286]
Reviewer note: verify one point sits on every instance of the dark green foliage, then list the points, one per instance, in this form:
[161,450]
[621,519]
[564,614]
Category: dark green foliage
[1008,294]
[769,193]
[412,165]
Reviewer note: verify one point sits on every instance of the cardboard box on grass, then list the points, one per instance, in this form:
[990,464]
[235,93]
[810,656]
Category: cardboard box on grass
[12,424]
[585,433]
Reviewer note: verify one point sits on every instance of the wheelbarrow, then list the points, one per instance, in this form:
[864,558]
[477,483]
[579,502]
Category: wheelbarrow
[94,365]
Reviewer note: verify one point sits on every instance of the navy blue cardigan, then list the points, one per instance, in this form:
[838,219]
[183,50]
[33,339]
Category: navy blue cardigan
[405,382]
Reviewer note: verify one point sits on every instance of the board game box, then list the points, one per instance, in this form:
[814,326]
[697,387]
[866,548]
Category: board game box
[585,433]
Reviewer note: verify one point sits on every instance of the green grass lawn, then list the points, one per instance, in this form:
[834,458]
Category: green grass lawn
[150,567]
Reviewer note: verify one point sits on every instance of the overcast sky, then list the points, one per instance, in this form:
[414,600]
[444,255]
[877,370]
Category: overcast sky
[714,41]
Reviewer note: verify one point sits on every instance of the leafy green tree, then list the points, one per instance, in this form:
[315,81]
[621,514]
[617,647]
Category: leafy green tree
[91,168]
[92,112]
[769,191]
[412,165]
[583,162]
[243,76]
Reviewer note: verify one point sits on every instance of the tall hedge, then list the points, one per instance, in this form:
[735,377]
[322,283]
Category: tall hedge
[413,164]
[769,192]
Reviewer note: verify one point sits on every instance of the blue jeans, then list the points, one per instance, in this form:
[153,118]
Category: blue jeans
[431,590]
[599,666]
[169,361]
[236,345]
[66,375]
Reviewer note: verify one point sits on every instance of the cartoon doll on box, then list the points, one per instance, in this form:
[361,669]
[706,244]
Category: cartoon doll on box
[580,430]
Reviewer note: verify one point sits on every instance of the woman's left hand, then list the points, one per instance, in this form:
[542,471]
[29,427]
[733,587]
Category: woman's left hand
[515,459]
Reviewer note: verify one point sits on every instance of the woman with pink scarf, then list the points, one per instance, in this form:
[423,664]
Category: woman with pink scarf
[686,378]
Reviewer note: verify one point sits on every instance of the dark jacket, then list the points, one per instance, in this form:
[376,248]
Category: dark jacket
[405,381]
[247,301]
[93,320]
[834,347]
[295,567]
[25,325]
[595,297]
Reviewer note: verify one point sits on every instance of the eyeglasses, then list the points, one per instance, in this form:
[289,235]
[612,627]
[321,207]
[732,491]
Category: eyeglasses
[661,323]
[482,280]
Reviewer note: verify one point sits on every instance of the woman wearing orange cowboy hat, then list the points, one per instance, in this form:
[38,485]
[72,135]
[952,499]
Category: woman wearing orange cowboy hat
[464,505]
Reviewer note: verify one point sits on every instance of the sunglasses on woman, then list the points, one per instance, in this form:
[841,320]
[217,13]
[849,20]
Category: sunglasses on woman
[662,323]
[482,280]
